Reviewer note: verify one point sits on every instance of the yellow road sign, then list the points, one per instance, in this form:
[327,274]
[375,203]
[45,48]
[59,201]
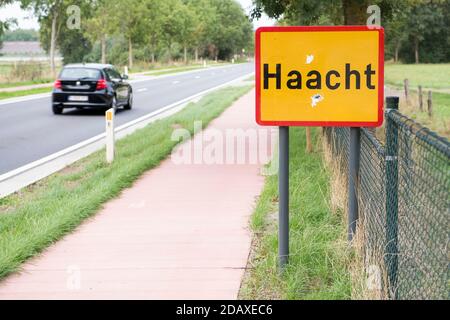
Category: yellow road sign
[320,76]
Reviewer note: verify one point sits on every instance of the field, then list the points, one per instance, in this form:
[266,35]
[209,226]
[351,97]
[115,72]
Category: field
[23,73]
[433,76]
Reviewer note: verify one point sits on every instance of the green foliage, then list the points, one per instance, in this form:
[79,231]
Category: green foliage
[426,35]
[72,43]
[149,29]
[416,30]
[4,25]
[232,31]
[21,35]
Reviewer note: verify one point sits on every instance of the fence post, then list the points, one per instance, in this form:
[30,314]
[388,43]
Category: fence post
[406,85]
[430,103]
[353,180]
[391,256]
[420,98]
[308,140]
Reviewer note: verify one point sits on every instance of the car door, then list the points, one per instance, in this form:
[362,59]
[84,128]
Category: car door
[117,84]
[122,88]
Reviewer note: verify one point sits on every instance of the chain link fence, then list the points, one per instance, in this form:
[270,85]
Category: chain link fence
[403,195]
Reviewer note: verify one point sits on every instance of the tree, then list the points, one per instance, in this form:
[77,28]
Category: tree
[418,31]
[65,32]
[232,30]
[128,17]
[4,25]
[307,12]
[396,33]
[153,25]
[21,35]
[424,18]
[99,25]
[187,21]
[50,11]
[172,24]
[205,17]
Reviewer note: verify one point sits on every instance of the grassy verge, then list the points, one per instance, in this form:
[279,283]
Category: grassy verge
[427,75]
[39,215]
[24,83]
[174,70]
[14,94]
[148,67]
[319,260]
[440,119]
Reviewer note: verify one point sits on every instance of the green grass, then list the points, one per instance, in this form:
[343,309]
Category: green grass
[436,76]
[14,94]
[441,102]
[174,70]
[39,215]
[439,122]
[24,83]
[319,258]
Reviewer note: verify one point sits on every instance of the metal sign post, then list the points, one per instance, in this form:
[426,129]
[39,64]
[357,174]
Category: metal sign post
[353,178]
[318,76]
[283,189]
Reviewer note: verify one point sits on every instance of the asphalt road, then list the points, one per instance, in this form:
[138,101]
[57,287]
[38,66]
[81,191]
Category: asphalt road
[29,131]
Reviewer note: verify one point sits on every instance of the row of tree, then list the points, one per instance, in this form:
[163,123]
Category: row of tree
[20,35]
[121,31]
[416,30]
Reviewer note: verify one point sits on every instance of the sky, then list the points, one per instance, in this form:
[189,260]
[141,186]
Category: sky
[27,21]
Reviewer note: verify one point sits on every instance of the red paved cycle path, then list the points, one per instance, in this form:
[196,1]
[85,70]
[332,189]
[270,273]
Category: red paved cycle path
[181,232]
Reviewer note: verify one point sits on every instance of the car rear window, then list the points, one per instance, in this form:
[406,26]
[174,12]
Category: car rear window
[80,73]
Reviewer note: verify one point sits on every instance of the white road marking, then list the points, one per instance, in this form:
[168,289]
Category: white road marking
[175,82]
[197,77]
[142,89]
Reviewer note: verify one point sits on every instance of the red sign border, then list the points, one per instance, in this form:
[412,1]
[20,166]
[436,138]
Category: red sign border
[377,123]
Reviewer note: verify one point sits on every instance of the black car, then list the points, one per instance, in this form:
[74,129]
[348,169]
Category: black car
[91,86]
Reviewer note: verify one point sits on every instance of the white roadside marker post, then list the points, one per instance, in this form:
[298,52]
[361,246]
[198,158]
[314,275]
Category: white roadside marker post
[109,116]
[125,70]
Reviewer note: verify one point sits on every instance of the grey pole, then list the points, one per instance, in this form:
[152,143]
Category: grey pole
[391,256]
[283,189]
[353,178]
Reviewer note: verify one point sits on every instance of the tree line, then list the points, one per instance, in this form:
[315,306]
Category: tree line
[415,30]
[121,32]
[21,35]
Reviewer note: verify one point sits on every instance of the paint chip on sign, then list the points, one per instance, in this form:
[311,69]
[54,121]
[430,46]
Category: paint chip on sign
[309,58]
[315,99]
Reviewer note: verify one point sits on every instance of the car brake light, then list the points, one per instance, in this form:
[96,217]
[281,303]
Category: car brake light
[101,84]
[57,84]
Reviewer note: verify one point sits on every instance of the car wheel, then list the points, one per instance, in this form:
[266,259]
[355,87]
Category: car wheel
[114,104]
[129,105]
[57,109]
